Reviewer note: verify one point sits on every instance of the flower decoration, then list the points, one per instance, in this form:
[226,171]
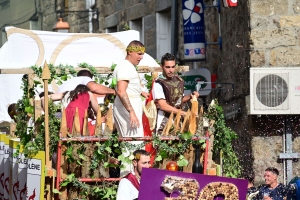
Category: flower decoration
[131,157]
[136,49]
[192,11]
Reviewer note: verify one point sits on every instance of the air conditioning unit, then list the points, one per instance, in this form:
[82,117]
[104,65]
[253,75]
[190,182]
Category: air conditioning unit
[275,91]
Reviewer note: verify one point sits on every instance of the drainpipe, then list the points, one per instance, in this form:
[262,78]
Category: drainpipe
[89,5]
[173,26]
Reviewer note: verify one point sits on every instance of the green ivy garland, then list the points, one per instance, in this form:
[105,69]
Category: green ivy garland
[223,137]
[107,190]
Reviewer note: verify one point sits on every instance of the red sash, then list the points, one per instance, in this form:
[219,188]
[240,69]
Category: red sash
[133,180]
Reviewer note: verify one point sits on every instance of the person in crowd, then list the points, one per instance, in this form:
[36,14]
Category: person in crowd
[272,190]
[12,111]
[128,103]
[168,92]
[251,189]
[84,77]
[129,185]
[80,98]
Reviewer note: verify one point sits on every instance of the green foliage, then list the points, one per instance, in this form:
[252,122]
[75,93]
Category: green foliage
[175,149]
[223,137]
[32,138]
[104,190]
[149,80]
[112,147]
[126,27]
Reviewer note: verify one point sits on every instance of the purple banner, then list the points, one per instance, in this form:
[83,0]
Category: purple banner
[193,29]
[152,180]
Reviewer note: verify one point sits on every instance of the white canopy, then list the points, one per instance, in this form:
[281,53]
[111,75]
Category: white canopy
[25,48]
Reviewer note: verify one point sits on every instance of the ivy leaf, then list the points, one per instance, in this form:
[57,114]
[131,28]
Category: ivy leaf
[158,158]
[78,162]
[81,156]
[56,191]
[29,109]
[108,193]
[64,77]
[105,164]
[163,154]
[108,149]
[121,158]
[116,145]
[59,82]
[64,183]
[96,190]
[186,136]
[182,162]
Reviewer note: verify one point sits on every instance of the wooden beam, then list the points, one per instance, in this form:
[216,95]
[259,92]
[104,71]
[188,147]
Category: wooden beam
[46,77]
[100,70]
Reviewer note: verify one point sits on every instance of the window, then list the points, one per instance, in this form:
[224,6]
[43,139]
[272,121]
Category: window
[34,25]
[3,37]
[138,25]
[111,29]
[163,33]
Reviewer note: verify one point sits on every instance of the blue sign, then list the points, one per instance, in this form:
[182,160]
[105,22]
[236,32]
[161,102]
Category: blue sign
[193,29]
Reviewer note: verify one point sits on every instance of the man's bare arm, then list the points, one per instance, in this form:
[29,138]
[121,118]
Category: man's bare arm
[163,105]
[121,92]
[100,89]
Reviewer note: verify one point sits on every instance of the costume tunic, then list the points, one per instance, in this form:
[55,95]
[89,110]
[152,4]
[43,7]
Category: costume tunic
[126,190]
[173,97]
[125,70]
[82,103]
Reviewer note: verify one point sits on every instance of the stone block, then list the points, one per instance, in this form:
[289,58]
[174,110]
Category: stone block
[298,37]
[265,152]
[107,10]
[258,22]
[296,7]
[129,3]
[150,5]
[271,38]
[135,12]
[118,5]
[269,7]
[149,22]
[151,50]
[162,5]
[150,37]
[285,56]
[296,149]
[289,21]
[112,20]
[257,58]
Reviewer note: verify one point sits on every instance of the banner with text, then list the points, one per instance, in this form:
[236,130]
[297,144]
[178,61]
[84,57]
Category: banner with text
[193,29]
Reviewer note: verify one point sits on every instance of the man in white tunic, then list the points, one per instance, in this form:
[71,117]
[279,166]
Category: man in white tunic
[129,186]
[128,107]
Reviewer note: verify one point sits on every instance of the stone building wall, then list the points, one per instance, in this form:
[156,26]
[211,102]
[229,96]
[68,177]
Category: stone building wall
[78,21]
[119,12]
[231,65]
[275,40]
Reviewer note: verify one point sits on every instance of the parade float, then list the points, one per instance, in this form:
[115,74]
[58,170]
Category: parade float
[82,168]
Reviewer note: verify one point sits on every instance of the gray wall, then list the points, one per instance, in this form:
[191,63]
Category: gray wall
[17,13]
